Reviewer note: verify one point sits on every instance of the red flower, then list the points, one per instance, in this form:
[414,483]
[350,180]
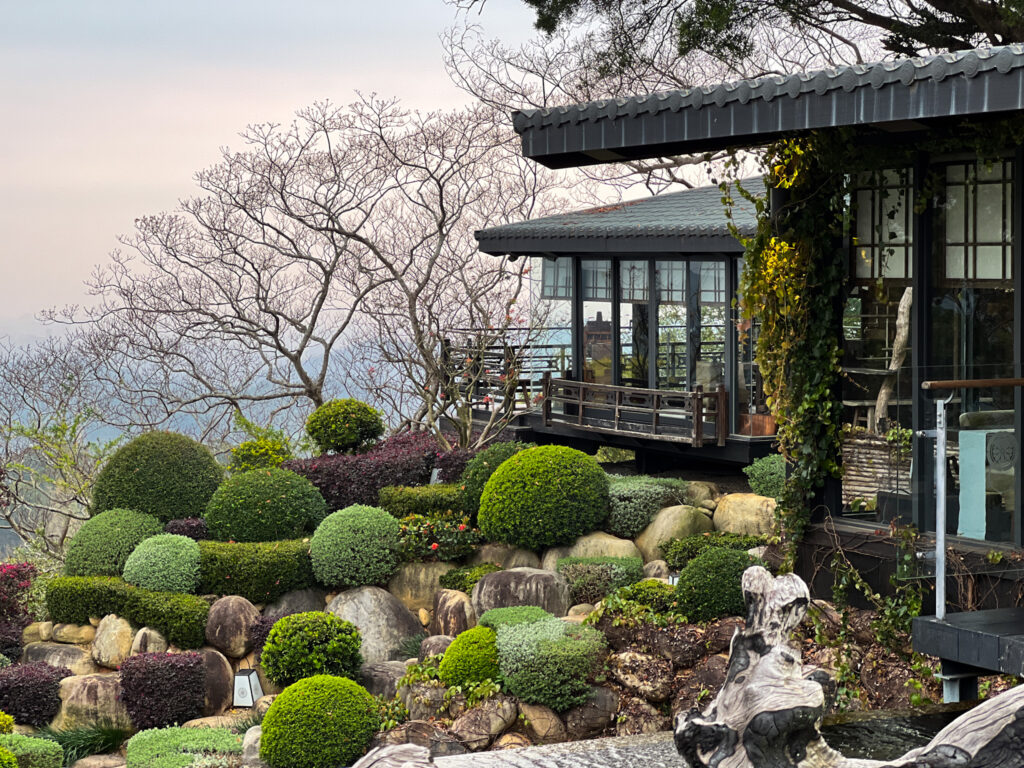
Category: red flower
[434,545]
[462,526]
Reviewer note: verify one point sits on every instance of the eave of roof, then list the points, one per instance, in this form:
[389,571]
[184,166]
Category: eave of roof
[688,221]
[892,95]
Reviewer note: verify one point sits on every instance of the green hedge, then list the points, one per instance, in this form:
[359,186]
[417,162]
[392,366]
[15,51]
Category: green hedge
[592,578]
[767,475]
[258,571]
[163,474]
[311,643]
[179,618]
[264,505]
[179,747]
[635,500]
[7,759]
[259,453]
[428,500]
[678,552]
[31,752]
[103,543]
[480,468]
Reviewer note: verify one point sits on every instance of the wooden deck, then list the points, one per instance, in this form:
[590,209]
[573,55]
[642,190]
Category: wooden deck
[990,640]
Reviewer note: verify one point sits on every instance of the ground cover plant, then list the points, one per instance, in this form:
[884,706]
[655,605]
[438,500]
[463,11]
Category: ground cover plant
[465,577]
[103,543]
[313,643]
[179,747]
[32,752]
[30,693]
[160,689]
[166,562]
[516,614]
[258,571]
[471,658]
[355,546]
[544,497]
[264,505]
[162,474]
[341,426]
[591,578]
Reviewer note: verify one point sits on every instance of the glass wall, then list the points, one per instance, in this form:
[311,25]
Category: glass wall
[551,309]
[672,362]
[596,332]
[634,323]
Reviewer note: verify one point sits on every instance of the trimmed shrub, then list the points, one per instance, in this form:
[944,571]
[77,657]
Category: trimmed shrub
[31,752]
[264,505]
[549,662]
[516,614]
[30,693]
[471,658]
[258,571]
[193,527]
[160,689]
[6,723]
[436,500]
[160,473]
[678,552]
[103,543]
[480,468]
[179,747]
[767,475]
[258,633]
[259,453]
[341,426]
[179,618]
[165,563]
[319,721]
[710,586]
[15,585]
[544,497]
[466,577]
[355,547]
[651,593]
[7,759]
[431,538]
[312,643]
[592,578]
[636,500]
[344,480]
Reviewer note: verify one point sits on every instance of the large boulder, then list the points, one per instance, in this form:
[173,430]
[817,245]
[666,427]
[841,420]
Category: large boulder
[699,491]
[542,724]
[551,557]
[591,718]
[381,678]
[478,727]
[603,545]
[636,717]
[522,586]
[656,569]
[506,556]
[424,700]
[745,513]
[228,625]
[148,640]
[37,632]
[453,613]
[88,699]
[296,601]
[77,634]
[435,645]
[415,584]
[220,682]
[251,748]
[648,676]
[671,523]
[383,621]
[74,657]
[113,643]
[439,742]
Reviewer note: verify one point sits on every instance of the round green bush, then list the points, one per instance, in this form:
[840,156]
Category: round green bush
[264,505]
[7,759]
[340,426]
[354,547]
[652,593]
[767,475]
[471,658]
[710,586]
[319,721]
[163,474]
[515,614]
[544,497]
[636,500]
[166,562]
[103,543]
[480,468]
[259,453]
[312,643]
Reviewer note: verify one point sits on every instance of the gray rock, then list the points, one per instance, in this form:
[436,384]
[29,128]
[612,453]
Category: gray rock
[423,734]
[263,704]
[649,677]
[113,642]
[506,556]
[383,621]
[100,761]
[74,657]
[582,609]
[435,645]
[87,699]
[381,677]
[551,557]
[656,569]
[745,513]
[148,640]
[415,584]
[542,724]
[479,726]
[296,601]
[423,700]
[699,491]
[671,523]
[522,586]
[395,756]
[453,613]
[220,682]
[594,716]
[228,625]
[251,748]
[636,716]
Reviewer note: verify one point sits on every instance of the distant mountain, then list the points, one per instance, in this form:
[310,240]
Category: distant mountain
[8,541]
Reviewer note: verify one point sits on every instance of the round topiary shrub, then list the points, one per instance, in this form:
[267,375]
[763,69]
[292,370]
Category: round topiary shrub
[355,547]
[767,475]
[166,562]
[544,497]
[259,453]
[480,468]
[160,473]
[636,500]
[264,505]
[471,658]
[341,426]
[312,643]
[710,586]
[319,721]
[103,543]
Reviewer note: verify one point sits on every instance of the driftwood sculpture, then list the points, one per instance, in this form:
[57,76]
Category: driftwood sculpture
[769,710]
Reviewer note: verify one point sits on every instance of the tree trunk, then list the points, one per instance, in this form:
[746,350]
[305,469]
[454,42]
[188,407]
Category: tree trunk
[899,353]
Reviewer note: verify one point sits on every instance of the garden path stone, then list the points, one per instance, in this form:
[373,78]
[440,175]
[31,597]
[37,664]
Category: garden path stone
[86,699]
[671,523]
[383,621]
[745,513]
[74,657]
[296,601]
[113,643]
[148,640]
[522,586]
[228,625]
[453,613]
[603,545]
[220,682]
[416,583]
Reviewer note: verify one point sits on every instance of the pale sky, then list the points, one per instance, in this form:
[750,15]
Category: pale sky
[109,106]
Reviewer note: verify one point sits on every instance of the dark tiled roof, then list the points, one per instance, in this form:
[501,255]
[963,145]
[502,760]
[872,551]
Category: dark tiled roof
[961,83]
[692,220]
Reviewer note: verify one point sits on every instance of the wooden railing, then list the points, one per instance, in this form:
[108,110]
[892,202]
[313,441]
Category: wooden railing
[697,418]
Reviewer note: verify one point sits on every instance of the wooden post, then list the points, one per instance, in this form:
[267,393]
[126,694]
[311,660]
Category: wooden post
[698,416]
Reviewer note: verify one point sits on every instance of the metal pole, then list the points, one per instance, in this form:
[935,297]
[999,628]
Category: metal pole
[940,510]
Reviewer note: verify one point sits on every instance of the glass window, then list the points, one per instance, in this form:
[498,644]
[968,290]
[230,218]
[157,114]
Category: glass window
[977,212]
[883,230]
[597,320]
[556,278]
[634,323]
